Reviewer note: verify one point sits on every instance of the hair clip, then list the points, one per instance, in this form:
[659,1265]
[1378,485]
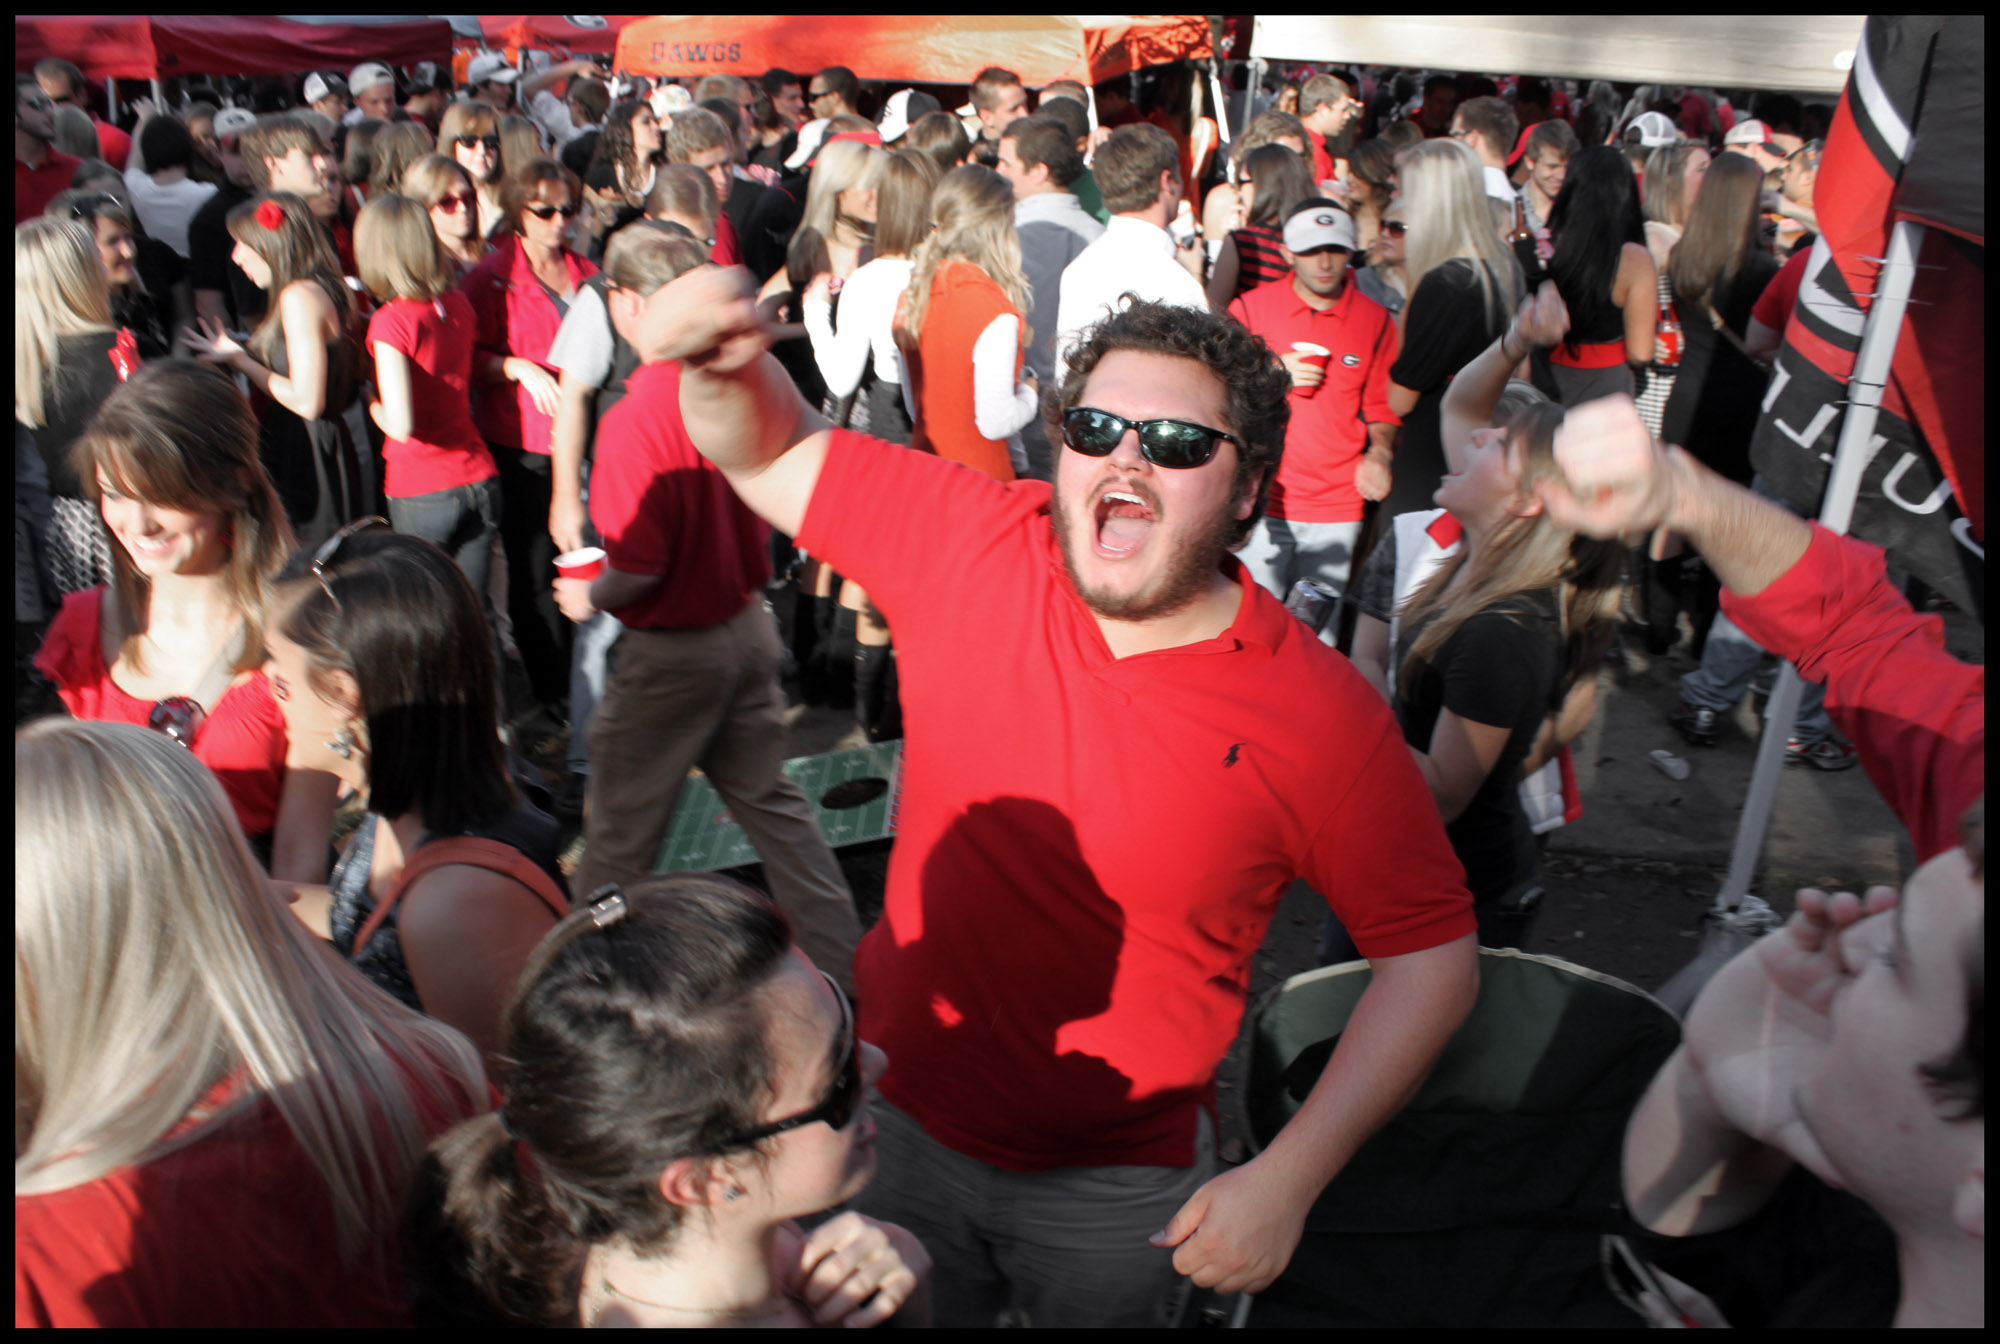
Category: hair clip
[270,214]
[607,905]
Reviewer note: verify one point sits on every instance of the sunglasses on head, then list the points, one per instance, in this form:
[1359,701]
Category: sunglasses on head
[468,141]
[330,548]
[837,1106]
[1178,444]
[551,211]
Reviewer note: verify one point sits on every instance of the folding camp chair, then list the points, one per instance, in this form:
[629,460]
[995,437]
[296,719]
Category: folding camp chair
[1485,1201]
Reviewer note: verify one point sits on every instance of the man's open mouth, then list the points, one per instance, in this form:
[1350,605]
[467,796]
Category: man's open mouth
[1123,523]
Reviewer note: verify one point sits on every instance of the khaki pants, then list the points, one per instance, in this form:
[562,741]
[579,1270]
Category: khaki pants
[709,698]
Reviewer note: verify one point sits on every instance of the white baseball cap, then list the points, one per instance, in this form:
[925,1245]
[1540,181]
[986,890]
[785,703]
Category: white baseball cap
[1655,130]
[811,136]
[898,114]
[319,86]
[233,121]
[1317,223]
[1751,132]
[368,74]
[488,67]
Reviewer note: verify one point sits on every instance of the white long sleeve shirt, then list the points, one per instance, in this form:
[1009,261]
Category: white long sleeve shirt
[1133,256]
[867,319]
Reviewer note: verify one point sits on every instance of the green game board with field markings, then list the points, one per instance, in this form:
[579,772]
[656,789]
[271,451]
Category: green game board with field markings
[704,837]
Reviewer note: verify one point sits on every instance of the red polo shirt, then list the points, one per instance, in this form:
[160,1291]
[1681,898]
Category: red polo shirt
[1324,169]
[1329,431]
[1089,849]
[516,317]
[34,188]
[663,509]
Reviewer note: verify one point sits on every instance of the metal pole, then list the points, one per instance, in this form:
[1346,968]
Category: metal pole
[1221,101]
[1843,484]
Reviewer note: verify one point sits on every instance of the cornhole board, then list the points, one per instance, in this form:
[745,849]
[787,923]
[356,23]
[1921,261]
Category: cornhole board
[704,837]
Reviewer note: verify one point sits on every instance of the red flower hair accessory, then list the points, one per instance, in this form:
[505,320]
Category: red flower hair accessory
[125,354]
[269,214]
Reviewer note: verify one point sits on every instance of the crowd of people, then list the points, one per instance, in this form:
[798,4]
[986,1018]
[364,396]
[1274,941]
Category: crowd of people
[1203,517]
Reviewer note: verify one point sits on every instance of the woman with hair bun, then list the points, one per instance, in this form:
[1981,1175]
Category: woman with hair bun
[215,1123]
[683,1085]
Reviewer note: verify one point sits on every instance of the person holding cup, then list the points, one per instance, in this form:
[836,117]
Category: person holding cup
[1337,344]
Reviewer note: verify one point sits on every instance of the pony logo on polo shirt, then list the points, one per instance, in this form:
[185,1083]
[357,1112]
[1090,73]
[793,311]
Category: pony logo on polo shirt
[1230,759]
[1351,361]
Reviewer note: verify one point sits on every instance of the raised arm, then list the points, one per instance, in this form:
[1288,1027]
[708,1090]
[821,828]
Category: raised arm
[737,403]
[1469,402]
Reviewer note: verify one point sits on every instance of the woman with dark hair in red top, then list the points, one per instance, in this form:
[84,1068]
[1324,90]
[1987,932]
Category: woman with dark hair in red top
[521,294]
[176,642]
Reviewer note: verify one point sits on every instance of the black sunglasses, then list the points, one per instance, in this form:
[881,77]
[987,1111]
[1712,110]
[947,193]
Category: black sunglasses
[1178,444]
[837,1106]
[551,211]
[331,547]
[468,141]
[1395,228]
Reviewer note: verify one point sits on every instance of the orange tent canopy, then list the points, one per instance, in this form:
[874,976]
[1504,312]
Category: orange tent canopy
[926,49]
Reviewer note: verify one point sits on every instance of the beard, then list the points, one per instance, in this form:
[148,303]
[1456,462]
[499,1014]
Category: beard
[1189,568]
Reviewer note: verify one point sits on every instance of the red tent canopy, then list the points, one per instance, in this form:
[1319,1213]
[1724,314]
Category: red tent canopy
[138,46]
[583,34]
[932,49]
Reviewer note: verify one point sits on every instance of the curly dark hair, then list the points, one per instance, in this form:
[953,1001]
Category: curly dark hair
[1255,385]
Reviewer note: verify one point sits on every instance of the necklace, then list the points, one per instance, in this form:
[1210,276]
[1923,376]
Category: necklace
[763,1308]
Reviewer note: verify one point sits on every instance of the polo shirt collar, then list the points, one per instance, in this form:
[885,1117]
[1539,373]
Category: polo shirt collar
[1299,307]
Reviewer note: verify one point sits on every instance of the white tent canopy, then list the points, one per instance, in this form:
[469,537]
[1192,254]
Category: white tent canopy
[1806,53]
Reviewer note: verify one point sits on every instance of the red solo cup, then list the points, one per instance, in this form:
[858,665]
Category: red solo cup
[1315,355]
[585,563]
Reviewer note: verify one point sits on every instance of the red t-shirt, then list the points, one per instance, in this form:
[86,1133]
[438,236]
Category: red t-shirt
[516,317]
[1324,169]
[1329,431]
[1090,849]
[242,741]
[1916,714]
[236,1229]
[112,143]
[1774,306]
[444,450]
[34,188]
[727,251]
[662,508]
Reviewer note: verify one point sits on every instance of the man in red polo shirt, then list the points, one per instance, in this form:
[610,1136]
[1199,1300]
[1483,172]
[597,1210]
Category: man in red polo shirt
[1342,431]
[1120,754]
[694,675]
[41,171]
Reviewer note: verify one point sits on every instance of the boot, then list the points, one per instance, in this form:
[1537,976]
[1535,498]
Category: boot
[1659,601]
[876,706]
[833,660]
[808,615]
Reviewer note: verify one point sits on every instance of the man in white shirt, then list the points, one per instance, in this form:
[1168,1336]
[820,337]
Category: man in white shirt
[1488,127]
[1039,159]
[1138,170]
[582,105]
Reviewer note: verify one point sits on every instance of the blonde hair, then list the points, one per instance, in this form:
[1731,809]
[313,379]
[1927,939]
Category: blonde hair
[973,209]
[178,435]
[397,147]
[520,142]
[398,252]
[60,289]
[152,962]
[841,166]
[431,178]
[1525,554]
[1445,205]
[1665,196]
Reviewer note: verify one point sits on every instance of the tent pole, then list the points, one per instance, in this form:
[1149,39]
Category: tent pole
[1221,103]
[1843,484]
[1252,86]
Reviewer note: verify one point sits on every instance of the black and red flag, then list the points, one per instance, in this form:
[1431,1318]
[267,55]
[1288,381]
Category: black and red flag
[1907,143]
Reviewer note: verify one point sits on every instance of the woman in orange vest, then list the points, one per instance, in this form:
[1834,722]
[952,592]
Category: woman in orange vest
[961,328]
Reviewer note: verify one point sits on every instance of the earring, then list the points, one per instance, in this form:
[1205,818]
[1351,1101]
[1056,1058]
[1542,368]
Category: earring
[343,745]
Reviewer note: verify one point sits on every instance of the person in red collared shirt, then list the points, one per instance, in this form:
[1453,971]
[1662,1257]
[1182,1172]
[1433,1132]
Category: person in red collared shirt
[41,171]
[521,294]
[1071,912]
[694,675]
[1342,431]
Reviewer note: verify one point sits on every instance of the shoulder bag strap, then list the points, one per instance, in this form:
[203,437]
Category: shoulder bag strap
[469,849]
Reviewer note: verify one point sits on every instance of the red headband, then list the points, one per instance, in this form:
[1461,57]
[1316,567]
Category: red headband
[1521,145]
[270,214]
[864,137]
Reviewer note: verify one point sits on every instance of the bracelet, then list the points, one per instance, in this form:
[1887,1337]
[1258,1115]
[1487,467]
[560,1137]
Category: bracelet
[1511,361]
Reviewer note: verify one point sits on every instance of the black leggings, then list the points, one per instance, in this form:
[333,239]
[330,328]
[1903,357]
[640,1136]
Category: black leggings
[541,631]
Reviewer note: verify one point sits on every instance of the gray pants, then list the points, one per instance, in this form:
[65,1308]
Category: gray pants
[1280,552]
[1064,1248]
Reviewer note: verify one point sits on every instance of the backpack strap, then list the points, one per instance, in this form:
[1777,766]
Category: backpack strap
[467,849]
